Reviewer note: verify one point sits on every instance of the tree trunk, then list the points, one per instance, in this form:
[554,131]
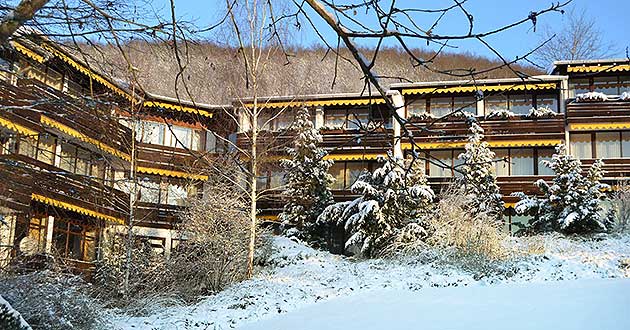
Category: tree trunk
[15,19]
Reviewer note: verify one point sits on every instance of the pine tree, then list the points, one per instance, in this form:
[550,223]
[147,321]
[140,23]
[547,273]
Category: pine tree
[478,180]
[393,197]
[307,176]
[572,203]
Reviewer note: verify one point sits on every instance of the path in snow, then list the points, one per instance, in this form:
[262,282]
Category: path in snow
[582,304]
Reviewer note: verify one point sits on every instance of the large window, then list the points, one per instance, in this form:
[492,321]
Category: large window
[610,85]
[170,135]
[355,118]
[442,106]
[74,240]
[580,145]
[611,144]
[520,103]
[441,162]
[417,107]
[522,161]
[46,149]
[346,173]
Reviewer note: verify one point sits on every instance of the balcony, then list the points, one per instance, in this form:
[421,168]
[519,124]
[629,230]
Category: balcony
[582,115]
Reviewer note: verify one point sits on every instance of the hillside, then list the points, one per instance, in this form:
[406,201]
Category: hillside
[214,74]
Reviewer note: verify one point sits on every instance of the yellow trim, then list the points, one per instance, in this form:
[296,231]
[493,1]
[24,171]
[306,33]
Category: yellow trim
[268,217]
[598,126]
[293,104]
[485,88]
[24,50]
[72,132]
[177,108]
[599,68]
[353,156]
[492,144]
[18,128]
[74,208]
[508,205]
[83,69]
[177,174]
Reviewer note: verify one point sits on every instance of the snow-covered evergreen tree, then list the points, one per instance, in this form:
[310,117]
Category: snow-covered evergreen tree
[573,201]
[307,176]
[477,177]
[393,197]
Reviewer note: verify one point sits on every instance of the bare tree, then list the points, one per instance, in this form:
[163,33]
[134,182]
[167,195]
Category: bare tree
[579,38]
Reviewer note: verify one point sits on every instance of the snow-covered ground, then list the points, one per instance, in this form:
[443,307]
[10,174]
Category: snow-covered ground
[304,281]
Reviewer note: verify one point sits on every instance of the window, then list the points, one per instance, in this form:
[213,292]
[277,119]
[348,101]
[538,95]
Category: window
[579,86]
[54,79]
[580,145]
[284,120]
[457,162]
[353,171]
[440,159]
[547,101]
[544,155]
[152,133]
[337,171]
[196,140]
[263,121]
[607,145]
[180,137]
[83,160]
[211,142]
[520,104]
[358,118]
[176,195]
[335,118]
[625,144]
[46,150]
[74,241]
[522,161]
[276,178]
[502,164]
[149,191]
[441,106]
[495,103]
[417,107]
[382,115]
[261,180]
[28,147]
[624,85]
[466,104]
[68,157]
[606,85]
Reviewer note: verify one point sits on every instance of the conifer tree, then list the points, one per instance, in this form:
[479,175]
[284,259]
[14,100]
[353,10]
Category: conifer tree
[478,179]
[308,181]
[393,197]
[572,203]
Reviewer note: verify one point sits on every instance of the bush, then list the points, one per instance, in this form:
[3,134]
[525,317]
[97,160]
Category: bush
[51,299]
[621,207]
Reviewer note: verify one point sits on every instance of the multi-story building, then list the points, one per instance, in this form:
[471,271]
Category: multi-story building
[69,155]
[83,155]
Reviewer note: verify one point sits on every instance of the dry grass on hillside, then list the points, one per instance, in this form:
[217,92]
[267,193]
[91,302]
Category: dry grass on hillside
[214,74]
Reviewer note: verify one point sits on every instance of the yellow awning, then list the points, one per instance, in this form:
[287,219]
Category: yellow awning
[83,69]
[353,156]
[18,128]
[268,217]
[599,68]
[176,174]
[508,205]
[473,88]
[24,50]
[74,133]
[492,144]
[318,103]
[177,107]
[598,126]
[75,208]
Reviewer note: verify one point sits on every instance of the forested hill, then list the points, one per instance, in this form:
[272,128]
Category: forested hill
[215,74]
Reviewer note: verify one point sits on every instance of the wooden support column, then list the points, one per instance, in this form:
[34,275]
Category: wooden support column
[399,104]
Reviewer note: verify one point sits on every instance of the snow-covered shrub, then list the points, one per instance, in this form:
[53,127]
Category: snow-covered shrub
[478,180]
[502,114]
[308,181]
[544,112]
[572,203]
[52,299]
[394,198]
[422,116]
[621,207]
[331,127]
[470,240]
[591,97]
[10,319]
[625,96]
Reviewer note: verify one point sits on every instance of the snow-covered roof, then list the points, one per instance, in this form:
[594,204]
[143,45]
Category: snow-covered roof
[186,102]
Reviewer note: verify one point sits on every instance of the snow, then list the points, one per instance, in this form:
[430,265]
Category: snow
[591,96]
[299,281]
[585,304]
[11,312]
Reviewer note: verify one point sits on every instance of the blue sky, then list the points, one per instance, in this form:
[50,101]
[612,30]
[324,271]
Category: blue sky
[612,17]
